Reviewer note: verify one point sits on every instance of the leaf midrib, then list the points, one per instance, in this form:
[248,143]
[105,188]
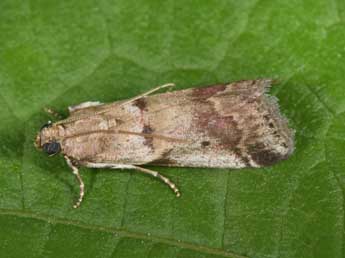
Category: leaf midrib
[119,232]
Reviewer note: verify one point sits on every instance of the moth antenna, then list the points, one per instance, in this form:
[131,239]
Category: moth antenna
[70,120]
[265,84]
[75,171]
[148,93]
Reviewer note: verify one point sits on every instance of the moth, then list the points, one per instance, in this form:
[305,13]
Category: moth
[231,125]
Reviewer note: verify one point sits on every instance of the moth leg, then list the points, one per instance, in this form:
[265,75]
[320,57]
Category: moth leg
[83,105]
[75,171]
[161,177]
[53,113]
[140,169]
[148,93]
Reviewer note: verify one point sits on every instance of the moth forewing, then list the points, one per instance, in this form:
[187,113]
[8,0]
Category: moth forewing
[231,125]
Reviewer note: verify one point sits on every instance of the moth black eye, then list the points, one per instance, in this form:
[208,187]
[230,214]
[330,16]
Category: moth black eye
[46,125]
[51,148]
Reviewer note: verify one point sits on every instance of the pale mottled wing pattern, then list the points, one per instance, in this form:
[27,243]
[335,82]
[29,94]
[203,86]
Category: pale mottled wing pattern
[228,125]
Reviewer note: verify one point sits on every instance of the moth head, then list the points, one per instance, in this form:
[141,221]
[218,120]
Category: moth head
[46,139]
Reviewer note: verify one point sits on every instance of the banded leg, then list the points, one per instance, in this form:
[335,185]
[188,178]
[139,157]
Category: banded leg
[75,171]
[148,93]
[164,179]
[161,177]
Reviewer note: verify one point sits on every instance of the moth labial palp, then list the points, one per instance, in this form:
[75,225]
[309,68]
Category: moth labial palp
[231,125]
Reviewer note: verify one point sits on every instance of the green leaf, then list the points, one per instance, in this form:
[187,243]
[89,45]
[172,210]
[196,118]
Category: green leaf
[60,53]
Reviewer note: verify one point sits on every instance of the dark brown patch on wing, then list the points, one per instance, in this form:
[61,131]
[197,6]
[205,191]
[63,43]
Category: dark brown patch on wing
[263,156]
[147,129]
[140,103]
[118,121]
[242,156]
[164,159]
[205,143]
[246,161]
[148,140]
[208,91]
[222,128]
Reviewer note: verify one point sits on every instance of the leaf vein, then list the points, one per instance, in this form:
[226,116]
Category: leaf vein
[120,232]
